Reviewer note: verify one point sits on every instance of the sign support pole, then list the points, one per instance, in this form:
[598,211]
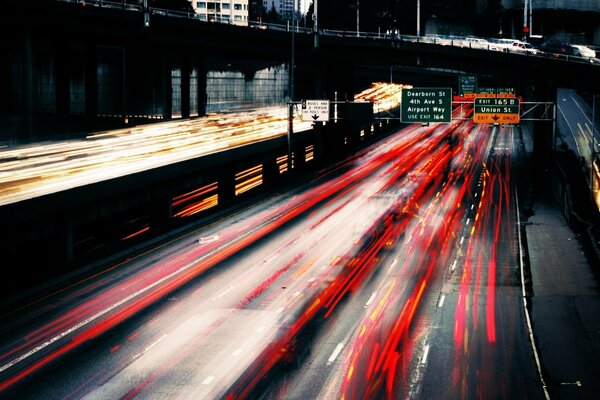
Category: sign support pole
[290,131]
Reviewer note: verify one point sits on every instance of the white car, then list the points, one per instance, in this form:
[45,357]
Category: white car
[518,46]
[476,43]
[502,44]
[583,51]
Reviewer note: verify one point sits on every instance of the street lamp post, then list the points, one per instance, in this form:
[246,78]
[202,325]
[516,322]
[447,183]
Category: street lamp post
[290,130]
[525,27]
[418,17]
[357,19]
[530,17]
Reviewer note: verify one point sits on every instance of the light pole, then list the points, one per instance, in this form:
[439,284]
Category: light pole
[315,24]
[357,19]
[290,130]
[418,17]
[530,17]
[525,28]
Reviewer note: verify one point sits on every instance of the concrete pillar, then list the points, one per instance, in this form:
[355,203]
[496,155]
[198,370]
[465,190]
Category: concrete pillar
[544,89]
[226,188]
[67,231]
[126,84]
[161,212]
[91,81]
[202,98]
[63,100]
[270,173]
[186,70]
[28,71]
[168,91]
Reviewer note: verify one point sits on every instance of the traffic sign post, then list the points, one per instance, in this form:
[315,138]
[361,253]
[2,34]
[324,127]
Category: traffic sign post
[426,105]
[315,110]
[496,110]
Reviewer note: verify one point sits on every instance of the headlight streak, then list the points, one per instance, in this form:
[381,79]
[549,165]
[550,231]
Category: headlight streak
[111,308]
[414,171]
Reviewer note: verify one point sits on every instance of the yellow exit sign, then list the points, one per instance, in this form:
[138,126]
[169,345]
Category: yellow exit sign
[496,118]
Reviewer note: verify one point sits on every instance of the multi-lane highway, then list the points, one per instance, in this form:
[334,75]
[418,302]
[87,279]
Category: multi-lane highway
[393,275]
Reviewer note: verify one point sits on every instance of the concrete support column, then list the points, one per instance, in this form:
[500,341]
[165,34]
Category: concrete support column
[186,70]
[63,101]
[161,212]
[299,151]
[91,81]
[67,231]
[270,172]
[202,98]
[28,74]
[127,80]
[544,89]
[168,91]
[226,189]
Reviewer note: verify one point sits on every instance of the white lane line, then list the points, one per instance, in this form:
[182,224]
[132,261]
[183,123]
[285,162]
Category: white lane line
[335,353]
[571,129]
[462,239]
[585,134]
[441,302]
[468,221]
[370,299]
[453,266]
[576,383]
[223,293]
[524,297]
[157,341]
[425,354]
[94,317]
[393,263]
[208,380]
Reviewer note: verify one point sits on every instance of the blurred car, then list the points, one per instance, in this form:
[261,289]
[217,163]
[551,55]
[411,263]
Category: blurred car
[584,51]
[525,47]
[502,44]
[556,46]
[476,43]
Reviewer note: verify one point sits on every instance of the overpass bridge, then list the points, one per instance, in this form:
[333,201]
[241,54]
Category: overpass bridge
[72,66]
[85,66]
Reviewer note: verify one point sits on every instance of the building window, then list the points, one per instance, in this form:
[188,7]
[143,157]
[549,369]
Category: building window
[226,6]
[237,17]
[237,7]
[201,4]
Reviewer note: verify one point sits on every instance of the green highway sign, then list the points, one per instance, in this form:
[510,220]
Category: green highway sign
[506,92]
[426,105]
[486,92]
[496,110]
[467,84]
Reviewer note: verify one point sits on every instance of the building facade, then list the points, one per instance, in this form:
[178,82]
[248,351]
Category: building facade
[284,8]
[222,11]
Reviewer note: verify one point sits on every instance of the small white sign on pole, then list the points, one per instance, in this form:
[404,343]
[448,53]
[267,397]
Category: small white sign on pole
[315,110]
